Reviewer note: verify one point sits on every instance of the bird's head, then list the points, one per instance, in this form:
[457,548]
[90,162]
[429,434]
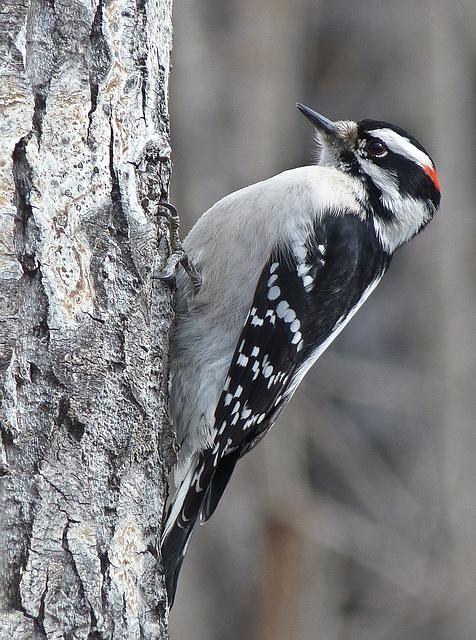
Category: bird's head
[395,179]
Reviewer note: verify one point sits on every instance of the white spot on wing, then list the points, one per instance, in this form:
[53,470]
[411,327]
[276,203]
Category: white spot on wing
[274,293]
[222,429]
[289,316]
[297,337]
[295,326]
[242,360]
[267,371]
[282,308]
[271,315]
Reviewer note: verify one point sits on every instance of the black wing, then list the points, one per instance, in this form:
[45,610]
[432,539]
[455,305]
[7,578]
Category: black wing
[305,292]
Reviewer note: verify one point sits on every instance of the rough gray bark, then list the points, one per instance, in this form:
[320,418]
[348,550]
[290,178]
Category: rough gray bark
[84,160]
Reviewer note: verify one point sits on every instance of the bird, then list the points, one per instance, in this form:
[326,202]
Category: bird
[284,265]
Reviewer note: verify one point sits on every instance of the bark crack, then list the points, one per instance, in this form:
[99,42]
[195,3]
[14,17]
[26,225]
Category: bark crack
[26,231]
[39,620]
[142,66]
[94,89]
[120,224]
[102,59]
[74,426]
[39,110]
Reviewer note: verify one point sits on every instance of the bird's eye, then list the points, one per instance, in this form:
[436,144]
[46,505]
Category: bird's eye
[375,148]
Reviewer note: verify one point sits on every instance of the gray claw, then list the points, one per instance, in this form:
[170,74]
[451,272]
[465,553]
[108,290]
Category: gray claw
[178,254]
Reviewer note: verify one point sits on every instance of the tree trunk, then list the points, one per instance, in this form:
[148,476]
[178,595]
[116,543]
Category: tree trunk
[85,441]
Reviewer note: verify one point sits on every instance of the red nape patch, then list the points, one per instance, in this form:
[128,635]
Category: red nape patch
[431,171]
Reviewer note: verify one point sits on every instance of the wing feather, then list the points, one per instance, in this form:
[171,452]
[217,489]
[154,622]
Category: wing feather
[305,294]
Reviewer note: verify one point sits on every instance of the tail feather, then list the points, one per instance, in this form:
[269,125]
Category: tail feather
[182,518]
[174,548]
[218,484]
[194,500]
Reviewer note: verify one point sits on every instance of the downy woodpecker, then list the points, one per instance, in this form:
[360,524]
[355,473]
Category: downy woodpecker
[284,263]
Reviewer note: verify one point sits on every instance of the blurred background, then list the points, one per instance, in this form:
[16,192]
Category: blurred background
[356,517]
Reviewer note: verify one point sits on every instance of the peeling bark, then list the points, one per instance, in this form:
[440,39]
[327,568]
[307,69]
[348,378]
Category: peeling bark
[84,434]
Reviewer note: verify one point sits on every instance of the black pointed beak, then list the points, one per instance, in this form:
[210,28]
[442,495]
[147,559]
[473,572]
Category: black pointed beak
[321,123]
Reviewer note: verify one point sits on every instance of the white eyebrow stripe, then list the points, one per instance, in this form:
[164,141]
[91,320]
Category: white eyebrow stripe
[398,144]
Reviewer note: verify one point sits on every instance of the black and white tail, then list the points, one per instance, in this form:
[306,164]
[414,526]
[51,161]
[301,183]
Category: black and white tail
[195,501]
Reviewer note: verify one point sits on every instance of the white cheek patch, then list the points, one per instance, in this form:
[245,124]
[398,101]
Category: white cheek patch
[409,213]
[386,181]
[398,144]
[409,220]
